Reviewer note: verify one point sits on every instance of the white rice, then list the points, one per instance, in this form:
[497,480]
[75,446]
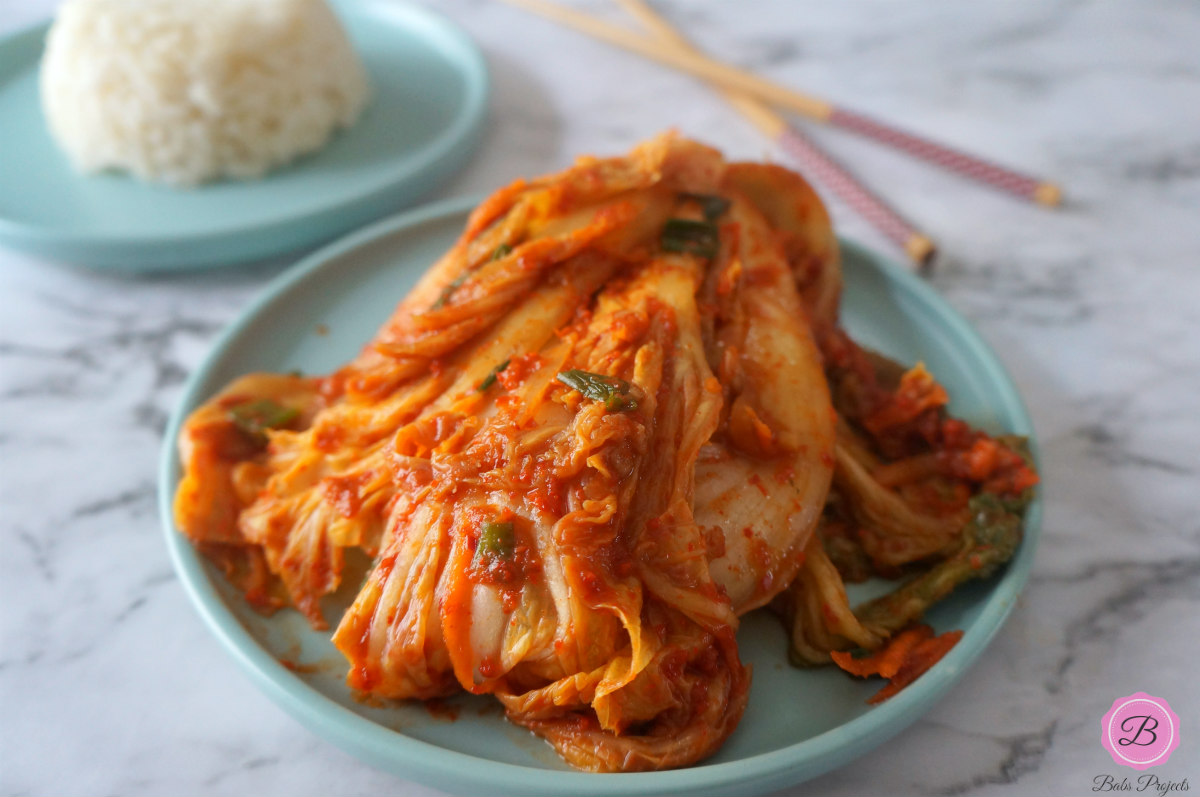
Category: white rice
[186,91]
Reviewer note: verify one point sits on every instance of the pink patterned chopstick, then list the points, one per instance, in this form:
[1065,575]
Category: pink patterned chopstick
[731,78]
[968,165]
[831,174]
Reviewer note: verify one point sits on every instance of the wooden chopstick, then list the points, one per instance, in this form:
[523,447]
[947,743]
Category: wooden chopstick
[833,175]
[1024,186]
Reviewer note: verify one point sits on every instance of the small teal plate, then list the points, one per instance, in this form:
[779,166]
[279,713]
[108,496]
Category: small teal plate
[429,101]
[799,724]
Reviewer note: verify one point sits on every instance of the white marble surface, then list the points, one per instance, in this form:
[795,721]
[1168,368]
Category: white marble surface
[109,684]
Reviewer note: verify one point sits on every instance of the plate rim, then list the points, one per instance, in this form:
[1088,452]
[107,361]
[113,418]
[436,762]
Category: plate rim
[154,251]
[420,761]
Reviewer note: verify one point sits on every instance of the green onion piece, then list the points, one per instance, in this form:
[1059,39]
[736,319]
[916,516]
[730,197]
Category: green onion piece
[256,416]
[713,206]
[496,540]
[612,391]
[490,379]
[989,539]
[690,237]
[449,290]
[620,403]
[500,251]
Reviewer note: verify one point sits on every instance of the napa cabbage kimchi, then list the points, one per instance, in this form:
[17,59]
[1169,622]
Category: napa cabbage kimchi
[597,431]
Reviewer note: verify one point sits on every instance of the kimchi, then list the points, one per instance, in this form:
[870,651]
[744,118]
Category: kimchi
[597,431]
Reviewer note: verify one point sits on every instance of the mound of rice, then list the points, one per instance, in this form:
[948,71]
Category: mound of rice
[186,91]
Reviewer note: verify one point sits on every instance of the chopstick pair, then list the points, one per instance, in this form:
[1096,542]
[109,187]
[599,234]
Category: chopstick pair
[751,95]
[826,170]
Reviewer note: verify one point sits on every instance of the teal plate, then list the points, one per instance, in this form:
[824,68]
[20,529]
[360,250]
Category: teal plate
[429,101]
[799,724]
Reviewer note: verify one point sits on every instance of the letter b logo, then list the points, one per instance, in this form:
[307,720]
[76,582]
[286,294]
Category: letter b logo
[1145,725]
[1140,731]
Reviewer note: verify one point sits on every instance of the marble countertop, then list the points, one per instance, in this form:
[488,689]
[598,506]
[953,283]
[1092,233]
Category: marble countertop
[109,682]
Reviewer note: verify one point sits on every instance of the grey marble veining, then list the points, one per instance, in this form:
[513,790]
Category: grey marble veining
[110,684]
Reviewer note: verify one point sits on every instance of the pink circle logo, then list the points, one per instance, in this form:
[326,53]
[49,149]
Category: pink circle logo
[1140,731]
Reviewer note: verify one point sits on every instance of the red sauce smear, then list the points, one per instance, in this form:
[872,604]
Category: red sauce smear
[439,709]
[345,492]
